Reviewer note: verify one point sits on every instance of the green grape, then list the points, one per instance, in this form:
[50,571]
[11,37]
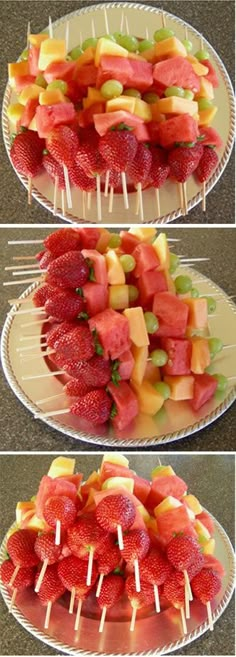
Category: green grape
[127,262]
[24,55]
[151,322]
[150,98]
[194,293]
[162,34]
[133,293]
[111,89]
[115,241]
[117,36]
[129,42]
[174,263]
[189,95]
[174,91]
[68,58]
[204,103]
[187,44]
[88,43]
[159,357]
[76,52]
[109,37]
[222,382]
[211,305]
[132,92]
[40,81]
[201,55]
[145,44]
[215,346]
[183,284]
[58,84]
[163,389]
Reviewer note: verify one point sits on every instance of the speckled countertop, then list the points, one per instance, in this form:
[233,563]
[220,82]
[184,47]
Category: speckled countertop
[204,16]
[21,432]
[210,478]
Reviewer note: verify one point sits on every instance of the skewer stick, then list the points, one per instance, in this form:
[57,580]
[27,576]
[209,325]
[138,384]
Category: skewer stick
[163,19]
[12,600]
[122,22]
[24,257]
[63,207]
[44,401]
[13,577]
[31,337]
[29,271]
[26,280]
[195,260]
[48,614]
[124,188]
[185,32]
[127,25]
[137,203]
[28,33]
[185,198]
[36,356]
[146,33]
[181,199]
[99,586]
[106,183]
[19,267]
[93,29]
[111,197]
[31,311]
[106,21]
[67,34]
[41,576]
[29,347]
[84,204]
[37,321]
[29,189]
[141,215]
[90,567]
[183,619]
[157,195]
[187,583]
[58,532]
[99,201]
[187,608]
[133,619]
[40,376]
[41,416]
[201,42]
[209,615]
[102,621]
[89,199]
[72,600]
[156,595]
[78,613]
[120,537]
[50,28]
[137,576]
[55,196]
[67,184]
[204,196]
[173,239]
[13,242]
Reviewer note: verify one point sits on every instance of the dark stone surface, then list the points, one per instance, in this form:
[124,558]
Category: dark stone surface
[206,17]
[210,478]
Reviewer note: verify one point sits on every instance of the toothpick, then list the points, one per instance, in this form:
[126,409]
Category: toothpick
[27,272]
[163,18]
[37,321]
[137,203]
[31,311]
[187,607]
[47,399]
[102,621]
[157,195]
[93,29]
[13,577]
[139,189]
[126,25]
[122,22]
[204,196]
[90,567]
[185,32]
[41,576]
[184,626]
[132,624]
[28,33]
[29,188]
[106,183]
[99,201]
[55,196]
[13,242]
[194,260]
[89,199]
[48,614]
[31,377]
[106,22]
[63,207]
[185,198]
[37,356]
[50,413]
[120,537]
[12,600]
[78,613]
[67,184]
[50,28]
[32,346]
[124,187]
[26,280]
[181,198]
[84,203]
[32,337]
[72,600]
[67,33]
[146,33]
[19,267]
[187,583]
[58,532]
[111,196]
[156,595]
[209,614]
[137,576]
[99,586]
[24,257]
[201,42]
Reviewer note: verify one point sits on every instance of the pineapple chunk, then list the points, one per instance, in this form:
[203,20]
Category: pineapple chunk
[162,471]
[37,524]
[51,97]
[161,247]
[118,296]
[14,112]
[115,272]
[169,48]
[37,39]
[166,505]
[209,547]
[202,532]
[116,458]
[119,482]
[29,92]
[206,89]
[106,47]
[51,50]
[137,327]
[176,105]
[143,110]
[125,103]
[193,503]
[143,234]
[16,69]
[149,400]
[60,466]
[206,116]
[33,125]
[144,513]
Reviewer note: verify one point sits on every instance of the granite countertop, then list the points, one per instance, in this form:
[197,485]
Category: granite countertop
[202,15]
[19,429]
[210,478]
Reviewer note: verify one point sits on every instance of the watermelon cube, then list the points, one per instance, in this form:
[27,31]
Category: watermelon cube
[146,259]
[59,71]
[163,486]
[141,73]
[150,283]
[104,121]
[141,488]
[172,314]
[22,81]
[126,365]
[128,241]
[126,404]
[50,116]
[33,60]
[207,520]
[173,522]
[141,132]
[89,237]
[211,75]
[49,487]
[109,470]
[96,297]
[204,388]
[29,112]
[214,564]
[179,352]
[86,76]
[182,128]
[211,137]
[176,71]
[98,264]
[113,332]
[125,70]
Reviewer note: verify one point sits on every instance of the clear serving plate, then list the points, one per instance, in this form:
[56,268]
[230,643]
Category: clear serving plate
[173,422]
[140,19]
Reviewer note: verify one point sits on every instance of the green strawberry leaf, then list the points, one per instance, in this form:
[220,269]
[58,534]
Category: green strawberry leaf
[98,347]
[91,270]
[79,290]
[121,126]
[83,315]
[115,376]
[114,411]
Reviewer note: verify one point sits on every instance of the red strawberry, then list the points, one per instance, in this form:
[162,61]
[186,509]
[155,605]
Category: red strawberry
[42,294]
[108,561]
[142,598]
[184,161]
[136,545]
[80,179]
[193,569]
[45,548]
[89,158]
[54,170]
[58,331]
[63,240]
[27,153]
[96,372]
[76,388]
[118,148]
[68,270]
[77,345]
[89,135]
[63,143]
[174,591]
[207,164]
[140,167]
[57,360]
[47,257]
[95,406]
[206,585]
[182,552]
[64,304]
[155,568]
[114,178]
[160,169]
[20,547]
[24,578]
[84,536]
[112,589]
[59,507]
[115,510]
[51,588]
[73,574]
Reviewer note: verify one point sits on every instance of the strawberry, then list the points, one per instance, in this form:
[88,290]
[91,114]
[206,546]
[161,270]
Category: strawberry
[64,304]
[155,568]
[57,331]
[184,161]
[27,152]
[63,143]
[89,158]
[62,240]
[95,406]
[205,585]
[109,560]
[76,388]
[115,510]
[114,178]
[207,164]
[24,578]
[45,260]
[182,552]
[77,345]
[138,170]
[80,179]
[84,536]
[89,135]
[45,548]
[193,569]
[42,294]
[68,270]
[73,574]
[160,169]
[20,547]
[174,591]
[96,372]
[142,598]
[51,588]
[59,507]
[136,545]
[112,589]
[54,170]
[118,148]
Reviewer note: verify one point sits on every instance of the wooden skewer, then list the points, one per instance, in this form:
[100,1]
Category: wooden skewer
[78,614]
[48,614]
[50,28]
[183,619]
[122,22]
[13,600]
[41,576]
[29,188]
[19,267]
[137,203]
[31,311]
[201,42]
[47,399]
[106,22]
[37,321]
[106,183]
[157,600]
[89,199]
[50,413]
[187,583]
[133,619]
[124,187]
[99,201]
[58,533]
[67,35]
[102,621]
[93,29]
[157,195]
[185,32]
[187,607]
[127,25]
[90,567]
[55,196]
[204,196]
[72,600]
[195,260]
[67,184]
[141,215]
[185,198]
[26,280]
[28,33]
[13,242]
[99,586]
[209,614]
[13,577]
[111,197]
[40,376]
[163,19]
[181,198]
[84,204]
[120,537]
[37,356]
[63,206]
[146,33]
[137,576]
[24,257]
[29,271]
[29,347]
[31,337]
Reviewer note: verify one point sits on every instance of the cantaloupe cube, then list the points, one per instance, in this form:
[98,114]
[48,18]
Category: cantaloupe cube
[169,280]
[117,458]
[14,112]
[94,96]
[149,400]
[206,116]
[118,296]
[126,103]
[140,355]
[156,114]
[106,47]
[60,466]
[22,508]
[200,357]
[181,387]
[198,313]
[209,547]
[150,55]
[51,97]
[206,89]
[17,69]
[176,105]
[161,247]
[135,55]
[51,50]
[152,373]
[143,110]
[143,234]
[29,92]
[144,513]
[103,240]
[87,57]
[169,48]
[199,69]
[115,272]
[137,327]
[37,39]
[193,503]
[166,505]
[119,482]
[36,523]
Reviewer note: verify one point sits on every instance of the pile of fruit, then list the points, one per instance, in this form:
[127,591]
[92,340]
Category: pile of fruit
[120,535]
[116,106]
[127,332]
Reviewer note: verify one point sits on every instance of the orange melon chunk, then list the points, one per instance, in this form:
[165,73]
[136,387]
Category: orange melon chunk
[200,358]
[121,103]
[106,47]
[51,97]
[115,272]
[197,317]
[206,89]
[37,39]
[140,355]
[14,112]
[152,373]
[206,116]
[169,48]
[87,57]
[161,247]
[176,105]
[29,92]
[137,327]
[149,400]
[143,110]
[16,69]
[118,296]
[181,387]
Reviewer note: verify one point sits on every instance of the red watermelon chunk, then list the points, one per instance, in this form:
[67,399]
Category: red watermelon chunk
[125,70]
[96,297]
[182,128]
[204,388]
[59,71]
[112,331]
[173,522]
[211,136]
[86,76]
[29,112]
[109,470]
[179,352]
[33,60]
[49,487]
[22,81]
[140,76]
[126,365]
[104,121]
[214,564]
[146,259]
[50,116]
[126,404]
[207,521]
[141,488]
[98,263]
[211,75]
[172,314]
[89,237]
[75,479]
[163,487]
[176,71]
[149,283]
[128,241]
[141,132]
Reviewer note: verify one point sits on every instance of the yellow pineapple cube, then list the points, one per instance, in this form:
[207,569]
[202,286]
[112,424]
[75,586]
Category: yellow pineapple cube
[29,92]
[51,50]
[206,116]
[116,458]
[143,234]
[169,48]
[118,296]
[37,39]
[126,103]
[106,47]
[143,110]
[119,482]
[51,97]
[14,112]
[60,466]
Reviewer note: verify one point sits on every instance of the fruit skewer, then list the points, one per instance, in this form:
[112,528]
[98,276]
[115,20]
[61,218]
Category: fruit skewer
[48,552]
[111,591]
[22,580]
[116,515]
